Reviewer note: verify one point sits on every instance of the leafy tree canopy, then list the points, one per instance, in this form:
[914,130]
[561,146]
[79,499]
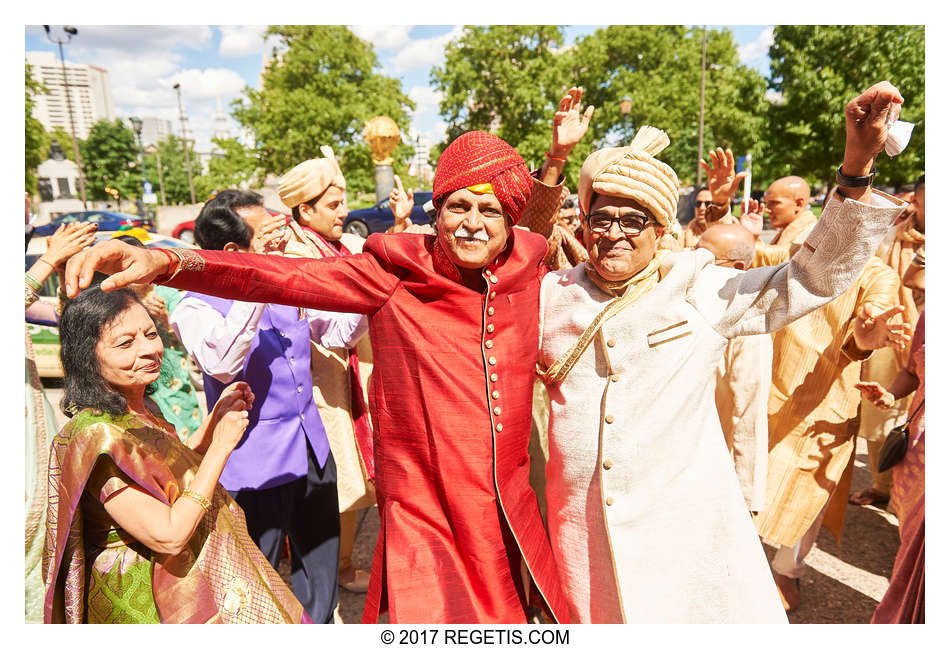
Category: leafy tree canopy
[36,141]
[110,159]
[321,87]
[818,69]
[237,167]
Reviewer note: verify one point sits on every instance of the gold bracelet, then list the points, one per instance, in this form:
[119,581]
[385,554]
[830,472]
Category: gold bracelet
[198,498]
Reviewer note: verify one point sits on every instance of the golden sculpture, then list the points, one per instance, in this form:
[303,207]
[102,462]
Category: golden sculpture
[382,135]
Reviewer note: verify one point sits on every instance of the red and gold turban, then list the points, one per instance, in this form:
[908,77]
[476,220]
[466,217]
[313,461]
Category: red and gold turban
[479,158]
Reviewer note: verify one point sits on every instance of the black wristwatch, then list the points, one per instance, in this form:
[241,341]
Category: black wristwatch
[855,181]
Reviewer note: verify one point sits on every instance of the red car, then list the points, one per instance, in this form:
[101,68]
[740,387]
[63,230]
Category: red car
[186,229]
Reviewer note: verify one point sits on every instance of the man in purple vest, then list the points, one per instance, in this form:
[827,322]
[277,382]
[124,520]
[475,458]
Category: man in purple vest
[282,473]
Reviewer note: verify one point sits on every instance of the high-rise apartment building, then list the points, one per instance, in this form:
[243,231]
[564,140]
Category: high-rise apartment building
[154,129]
[89,91]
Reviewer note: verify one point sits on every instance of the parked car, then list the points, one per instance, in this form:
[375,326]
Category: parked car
[379,217]
[186,229]
[108,221]
[44,333]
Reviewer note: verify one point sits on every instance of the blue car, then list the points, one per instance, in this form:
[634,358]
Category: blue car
[108,221]
[379,217]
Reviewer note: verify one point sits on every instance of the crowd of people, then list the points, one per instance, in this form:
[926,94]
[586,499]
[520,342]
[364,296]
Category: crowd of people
[566,407]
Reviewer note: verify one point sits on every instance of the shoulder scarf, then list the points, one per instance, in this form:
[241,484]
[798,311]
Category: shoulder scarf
[628,292]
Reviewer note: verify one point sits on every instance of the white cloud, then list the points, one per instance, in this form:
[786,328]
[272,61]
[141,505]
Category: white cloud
[427,99]
[102,45]
[751,52]
[423,52]
[241,40]
[383,37]
[209,83]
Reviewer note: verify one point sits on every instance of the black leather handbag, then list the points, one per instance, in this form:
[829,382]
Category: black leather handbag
[895,445]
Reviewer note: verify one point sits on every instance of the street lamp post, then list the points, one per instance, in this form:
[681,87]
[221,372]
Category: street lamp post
[158,163]
[184,139]
[70,32]
[137,127]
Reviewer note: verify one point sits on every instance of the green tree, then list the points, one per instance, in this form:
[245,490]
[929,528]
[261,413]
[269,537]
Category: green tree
[174,176]
[110,159]
[36,141]
[237,167]
[505,79]
[818,69]
[659,68]
[321,87]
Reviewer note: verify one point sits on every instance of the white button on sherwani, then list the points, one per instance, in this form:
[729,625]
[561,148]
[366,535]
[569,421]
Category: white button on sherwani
[646,516]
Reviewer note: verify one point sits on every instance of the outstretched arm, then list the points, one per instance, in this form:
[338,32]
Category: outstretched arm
[352,284]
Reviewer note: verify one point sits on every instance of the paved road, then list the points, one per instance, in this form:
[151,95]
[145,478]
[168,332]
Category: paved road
[843,584]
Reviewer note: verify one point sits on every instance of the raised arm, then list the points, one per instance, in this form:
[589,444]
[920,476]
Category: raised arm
[832,256]
[568,127]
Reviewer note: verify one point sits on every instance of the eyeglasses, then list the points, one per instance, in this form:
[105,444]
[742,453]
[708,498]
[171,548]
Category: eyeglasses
[702,203]
[629,223]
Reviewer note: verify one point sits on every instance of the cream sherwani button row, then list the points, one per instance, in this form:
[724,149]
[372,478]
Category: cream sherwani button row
[678,544]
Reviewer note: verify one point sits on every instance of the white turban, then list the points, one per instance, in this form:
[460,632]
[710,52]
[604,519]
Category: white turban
[632,172]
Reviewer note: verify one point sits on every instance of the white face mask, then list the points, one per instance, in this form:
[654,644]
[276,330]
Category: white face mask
[898,134]
[464,233]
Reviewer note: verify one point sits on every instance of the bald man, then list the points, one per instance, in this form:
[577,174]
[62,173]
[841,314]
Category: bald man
[786,202]
[743,376]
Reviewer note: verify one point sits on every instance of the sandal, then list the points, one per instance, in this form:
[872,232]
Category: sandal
[868,497]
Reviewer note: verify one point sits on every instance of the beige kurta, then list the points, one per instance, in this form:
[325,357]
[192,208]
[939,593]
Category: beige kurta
[811,405]
[897,251]
[743,377]
[331,390]
[777,251]
[646,517]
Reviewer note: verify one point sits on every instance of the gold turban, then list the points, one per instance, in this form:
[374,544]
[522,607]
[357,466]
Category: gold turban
[632,172]
[310,179]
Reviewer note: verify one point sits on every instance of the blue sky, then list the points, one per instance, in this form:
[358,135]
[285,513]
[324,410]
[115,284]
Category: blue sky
[214,63]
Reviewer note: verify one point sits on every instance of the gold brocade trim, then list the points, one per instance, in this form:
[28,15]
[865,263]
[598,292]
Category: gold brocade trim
[190,261]
[42,444]
[668,340]
[634,288]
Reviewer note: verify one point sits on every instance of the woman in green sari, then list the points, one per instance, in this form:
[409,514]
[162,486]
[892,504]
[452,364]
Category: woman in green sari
[138,528]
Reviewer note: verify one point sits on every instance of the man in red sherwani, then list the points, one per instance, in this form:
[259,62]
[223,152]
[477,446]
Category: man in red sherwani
[454,325]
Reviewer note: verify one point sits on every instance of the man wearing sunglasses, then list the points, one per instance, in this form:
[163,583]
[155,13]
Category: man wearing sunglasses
[695,228]
[645,514]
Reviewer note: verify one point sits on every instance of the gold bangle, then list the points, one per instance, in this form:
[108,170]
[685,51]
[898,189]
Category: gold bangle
[198,498]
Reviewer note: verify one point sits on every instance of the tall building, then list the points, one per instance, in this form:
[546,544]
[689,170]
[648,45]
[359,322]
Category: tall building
[154,129]
[221,129]
[90,92]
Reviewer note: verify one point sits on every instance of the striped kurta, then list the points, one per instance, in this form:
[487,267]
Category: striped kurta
[811,407]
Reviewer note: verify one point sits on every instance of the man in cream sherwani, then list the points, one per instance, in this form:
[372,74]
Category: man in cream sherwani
[645,513]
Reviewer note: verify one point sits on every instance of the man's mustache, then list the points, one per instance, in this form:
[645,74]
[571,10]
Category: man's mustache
[464,233]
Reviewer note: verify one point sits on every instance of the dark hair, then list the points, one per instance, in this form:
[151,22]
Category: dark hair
[568,203]
[80,328]
[295,210]
[219,224]
[129,239]
[919,183]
